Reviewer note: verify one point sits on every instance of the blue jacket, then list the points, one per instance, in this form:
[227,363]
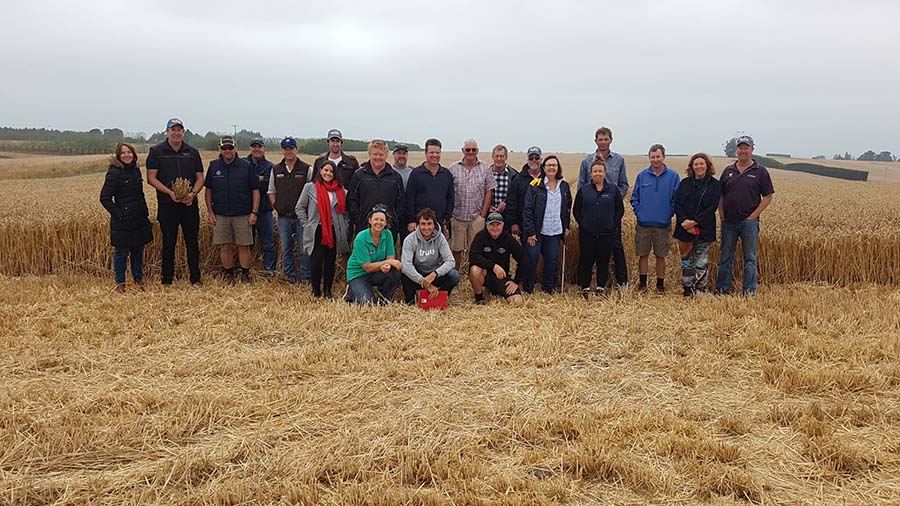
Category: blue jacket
[232,185]
[536,206]
[264,171]
[598,213]
[653,197]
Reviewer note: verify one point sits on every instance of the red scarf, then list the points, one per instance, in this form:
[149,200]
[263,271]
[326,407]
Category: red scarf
[322,189]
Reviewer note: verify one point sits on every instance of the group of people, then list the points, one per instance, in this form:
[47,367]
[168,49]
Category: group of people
[489,211]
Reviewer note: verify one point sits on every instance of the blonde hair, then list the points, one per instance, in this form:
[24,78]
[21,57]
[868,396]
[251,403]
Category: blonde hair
[377,144]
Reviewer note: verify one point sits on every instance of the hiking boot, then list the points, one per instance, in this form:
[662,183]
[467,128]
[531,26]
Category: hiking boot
[228,276]
[120,288]
[245,276]
[479,299]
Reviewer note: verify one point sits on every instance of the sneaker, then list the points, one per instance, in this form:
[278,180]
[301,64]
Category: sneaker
[600,291]
[245,277]
[586,293]
[120,288]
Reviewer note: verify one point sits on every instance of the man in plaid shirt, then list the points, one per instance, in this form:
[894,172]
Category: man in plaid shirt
[504,175]
[473,184]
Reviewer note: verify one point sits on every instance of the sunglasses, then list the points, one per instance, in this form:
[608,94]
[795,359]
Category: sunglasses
[226,148]
[470,150]
[534,158]
[377,209]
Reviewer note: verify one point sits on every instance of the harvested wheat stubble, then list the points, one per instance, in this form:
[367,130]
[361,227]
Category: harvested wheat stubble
[261,395]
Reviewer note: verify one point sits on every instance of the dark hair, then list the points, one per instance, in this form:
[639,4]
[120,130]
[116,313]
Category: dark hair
[379,208]
[558,163]
[603,130]
[499,147]
[333,171]
[119,147]
[599,161]
[433,142]
[657,147]
[426,214]
[710,169]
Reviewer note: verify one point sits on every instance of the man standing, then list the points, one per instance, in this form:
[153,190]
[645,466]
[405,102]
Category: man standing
[347,164]
[503,175]
[616,176]
[376,182]
[265,222]
[430,185]
[489,261]
[288,178]
[473,187]
[167,162]
[401,155]
[232,205]
[531,175]
[746,192]
[653,204]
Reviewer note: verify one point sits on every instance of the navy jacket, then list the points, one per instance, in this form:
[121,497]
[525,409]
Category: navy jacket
[536,205]
[171,164]
[264,172]
[426,190]
[232,185]
[598,213]
[698,200]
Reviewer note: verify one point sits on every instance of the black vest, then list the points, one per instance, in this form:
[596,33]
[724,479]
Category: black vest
[288,186]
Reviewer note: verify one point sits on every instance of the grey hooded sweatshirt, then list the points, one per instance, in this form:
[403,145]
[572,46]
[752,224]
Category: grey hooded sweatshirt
[420,256]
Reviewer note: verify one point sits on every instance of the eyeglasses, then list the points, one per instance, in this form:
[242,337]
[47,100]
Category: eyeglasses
[534,158]
[377,209]
[226,148]
[470,150]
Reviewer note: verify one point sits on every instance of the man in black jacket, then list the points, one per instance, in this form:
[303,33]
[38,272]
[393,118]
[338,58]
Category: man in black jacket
[531,173]
[347,164]
[376,182]
[489,260]
[287,181]
[167,162]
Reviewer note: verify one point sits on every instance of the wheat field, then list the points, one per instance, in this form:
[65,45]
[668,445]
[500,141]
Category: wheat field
[263,395]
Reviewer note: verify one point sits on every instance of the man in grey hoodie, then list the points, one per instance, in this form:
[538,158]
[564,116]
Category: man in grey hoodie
[427,259]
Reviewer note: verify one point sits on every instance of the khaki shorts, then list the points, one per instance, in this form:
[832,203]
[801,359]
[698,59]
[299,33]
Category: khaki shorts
[462,232]
[658,238]
[232,230]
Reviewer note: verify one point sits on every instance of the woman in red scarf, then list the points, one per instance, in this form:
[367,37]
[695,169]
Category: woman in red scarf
[322,211]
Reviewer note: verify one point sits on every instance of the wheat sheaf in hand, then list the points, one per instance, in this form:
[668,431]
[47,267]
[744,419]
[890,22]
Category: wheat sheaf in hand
[181,187]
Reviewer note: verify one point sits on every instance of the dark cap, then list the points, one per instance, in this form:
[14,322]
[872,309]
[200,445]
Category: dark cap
[400,147]
[534,150]
[744,139]
[288,142]
[173,122]
[226,141]
[494,218]
[334,133]
[261,142]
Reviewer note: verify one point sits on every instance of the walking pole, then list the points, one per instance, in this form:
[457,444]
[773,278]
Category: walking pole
[562,285]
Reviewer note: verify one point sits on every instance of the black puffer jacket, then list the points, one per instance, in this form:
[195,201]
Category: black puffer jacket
[123,196]
[698,200]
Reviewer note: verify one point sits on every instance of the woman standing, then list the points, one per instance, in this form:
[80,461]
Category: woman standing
[696,201]
[372,263]
[322,212]
[598,209]
[548,207]
[129,229]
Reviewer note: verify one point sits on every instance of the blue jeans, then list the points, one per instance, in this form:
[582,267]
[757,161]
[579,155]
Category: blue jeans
[548,247]
[361,288]
[265,229]
[290,232]
[530,276]
[748,232]
[447,282]
[120,263]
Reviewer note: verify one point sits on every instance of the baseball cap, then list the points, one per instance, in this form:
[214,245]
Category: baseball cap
[288,142]
[534,150]
[335,133]
[172,122]
[744,139]
[495,218]
[258,141]
[226,141]
[400,147]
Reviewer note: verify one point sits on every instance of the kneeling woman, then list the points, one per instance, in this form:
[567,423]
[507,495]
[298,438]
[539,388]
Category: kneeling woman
[372,263]
[696,201]
[322,212]
[129,229]
[598,211]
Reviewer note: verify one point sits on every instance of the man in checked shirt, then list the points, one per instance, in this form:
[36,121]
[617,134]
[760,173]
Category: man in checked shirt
[504,175]
[473,186]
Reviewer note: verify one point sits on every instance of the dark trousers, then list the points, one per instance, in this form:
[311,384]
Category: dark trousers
[594,250]
[447,282]
[618,252]
[530,277]
[321,264]
[170,217]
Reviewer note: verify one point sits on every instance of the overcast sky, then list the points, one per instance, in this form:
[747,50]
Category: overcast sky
[804,77]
